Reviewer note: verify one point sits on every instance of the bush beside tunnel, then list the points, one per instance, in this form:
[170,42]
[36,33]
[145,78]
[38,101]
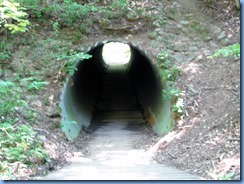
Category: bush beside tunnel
[82,90]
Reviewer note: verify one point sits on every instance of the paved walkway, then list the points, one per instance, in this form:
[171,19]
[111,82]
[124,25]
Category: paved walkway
[114,157]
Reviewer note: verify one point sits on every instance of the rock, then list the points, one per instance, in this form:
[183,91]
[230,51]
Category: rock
[200,58]
[193,91]
[31,97]
[212,44]
[221,35]
[191,57]
[180,48]
[129,37]
[170,46]
[185,30]
[152,35]
[217,30]
[178,57]
[161,33]
[158,30]
[179,26]
[193,48]
[36,103]
[184,22]
[23,111]
[52,112]
[42,138]
[207,38]
[40,116]
[225,42]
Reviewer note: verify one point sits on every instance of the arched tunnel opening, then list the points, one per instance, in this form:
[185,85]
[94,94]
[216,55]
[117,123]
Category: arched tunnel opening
[121,90]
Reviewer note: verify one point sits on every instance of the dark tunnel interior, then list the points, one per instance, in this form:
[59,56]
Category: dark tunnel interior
[97,86]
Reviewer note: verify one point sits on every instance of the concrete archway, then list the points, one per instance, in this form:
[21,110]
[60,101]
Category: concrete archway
[82,90]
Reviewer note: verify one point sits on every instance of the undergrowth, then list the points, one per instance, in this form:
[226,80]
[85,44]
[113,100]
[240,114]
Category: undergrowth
[20,147]
[231,50]
[71,60]
[169,73]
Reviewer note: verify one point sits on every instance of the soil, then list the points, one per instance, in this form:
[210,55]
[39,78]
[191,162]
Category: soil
[206,140]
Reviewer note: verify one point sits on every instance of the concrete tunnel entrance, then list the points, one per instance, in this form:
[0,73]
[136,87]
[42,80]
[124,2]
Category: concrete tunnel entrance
[102,91]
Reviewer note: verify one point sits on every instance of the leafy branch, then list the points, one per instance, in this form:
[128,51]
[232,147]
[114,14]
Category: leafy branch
[13,17]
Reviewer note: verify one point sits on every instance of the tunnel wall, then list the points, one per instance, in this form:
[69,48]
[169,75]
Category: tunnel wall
[82,90]
[146,80]
[149,85]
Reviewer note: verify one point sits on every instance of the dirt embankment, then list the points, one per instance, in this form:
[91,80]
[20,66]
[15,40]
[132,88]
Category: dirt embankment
[206,141]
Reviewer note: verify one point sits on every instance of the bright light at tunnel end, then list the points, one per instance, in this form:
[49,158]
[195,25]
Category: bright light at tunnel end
[116,53]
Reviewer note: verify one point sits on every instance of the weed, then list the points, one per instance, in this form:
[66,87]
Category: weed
[176,97]
[170,73]
[33,84]
[228,176]
[37,85]
[56,28]
[20,147]
[70,12]
[232,50]
[72,59]
[164,59]
[160,21]
[4,56]
[10,98]
[179,107]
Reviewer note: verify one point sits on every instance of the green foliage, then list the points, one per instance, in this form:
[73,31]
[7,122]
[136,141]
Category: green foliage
[10,98]
[232,50]
[71,60]
[19,143]
[56,28]
[178,107]
[70,12]
[13,17]
[33,6]
[4,52]
[37,85]
[119,4]
[116,10]
[164,59]
[33,84]
[228,176]
[159,22]
[176,96]
[4,56]
[172,93]
[75,13]
[170,73]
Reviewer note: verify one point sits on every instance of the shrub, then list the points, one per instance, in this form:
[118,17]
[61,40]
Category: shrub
[13,17]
